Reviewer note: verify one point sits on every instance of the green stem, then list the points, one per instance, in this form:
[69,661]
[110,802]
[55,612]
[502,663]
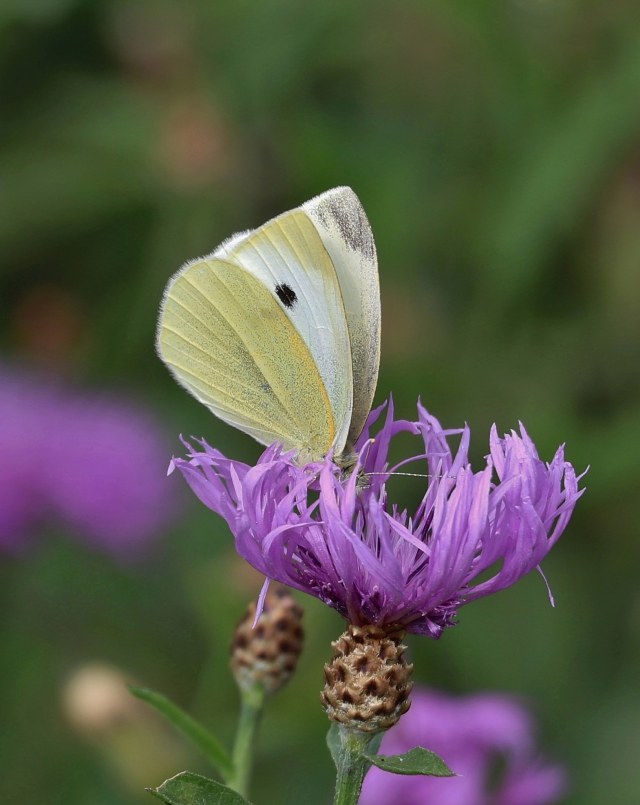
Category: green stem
[348,748]
[252,703]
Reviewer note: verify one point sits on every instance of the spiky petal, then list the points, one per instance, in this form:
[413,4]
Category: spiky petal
[343,541]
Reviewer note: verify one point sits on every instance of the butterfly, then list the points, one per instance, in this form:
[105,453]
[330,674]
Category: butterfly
[277,331]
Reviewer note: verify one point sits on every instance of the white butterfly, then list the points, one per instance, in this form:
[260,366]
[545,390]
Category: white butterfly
[277,331]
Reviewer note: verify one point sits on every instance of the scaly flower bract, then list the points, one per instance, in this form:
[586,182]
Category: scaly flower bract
[342,540]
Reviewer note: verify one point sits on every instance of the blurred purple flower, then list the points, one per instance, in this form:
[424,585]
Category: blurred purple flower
[92,463]
[343,542]
[487,739]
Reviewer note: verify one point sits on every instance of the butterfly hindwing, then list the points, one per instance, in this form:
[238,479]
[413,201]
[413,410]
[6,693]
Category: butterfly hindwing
[224,339]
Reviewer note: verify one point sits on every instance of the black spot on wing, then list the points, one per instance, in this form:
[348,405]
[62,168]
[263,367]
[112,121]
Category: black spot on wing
[346,212]
[286,295]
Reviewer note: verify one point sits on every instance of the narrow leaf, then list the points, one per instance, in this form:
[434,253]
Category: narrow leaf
[207,743]
[188,788]
[416,761]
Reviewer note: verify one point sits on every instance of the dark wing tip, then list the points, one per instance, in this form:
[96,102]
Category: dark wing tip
[341,209]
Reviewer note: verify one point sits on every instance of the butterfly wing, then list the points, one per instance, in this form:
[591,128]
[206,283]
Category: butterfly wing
[257,332]
[342,224]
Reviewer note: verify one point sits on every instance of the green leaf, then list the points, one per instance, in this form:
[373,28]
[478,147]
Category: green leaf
[416,761]
[207,743]
[188,788]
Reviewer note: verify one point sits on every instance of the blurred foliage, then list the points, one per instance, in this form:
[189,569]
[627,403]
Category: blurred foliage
[496,149]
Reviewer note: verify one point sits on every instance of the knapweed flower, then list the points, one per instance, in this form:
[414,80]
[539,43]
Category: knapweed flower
[87,462]
[343,541]
[487,739]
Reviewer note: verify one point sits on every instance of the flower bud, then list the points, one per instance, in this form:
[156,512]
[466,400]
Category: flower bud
[267,654]
[367,683]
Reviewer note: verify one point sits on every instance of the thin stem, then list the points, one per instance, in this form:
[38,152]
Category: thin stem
[348,748]
[252,704]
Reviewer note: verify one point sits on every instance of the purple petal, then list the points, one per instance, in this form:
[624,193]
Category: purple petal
[346,544]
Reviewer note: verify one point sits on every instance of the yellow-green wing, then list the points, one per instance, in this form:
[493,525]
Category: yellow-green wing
[287,256]
[228,340]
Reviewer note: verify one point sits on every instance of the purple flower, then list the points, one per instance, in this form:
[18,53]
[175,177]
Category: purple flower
[342,540]
[91,463]
[487,739]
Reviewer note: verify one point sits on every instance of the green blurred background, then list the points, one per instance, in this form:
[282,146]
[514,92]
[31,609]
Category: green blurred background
[496,149]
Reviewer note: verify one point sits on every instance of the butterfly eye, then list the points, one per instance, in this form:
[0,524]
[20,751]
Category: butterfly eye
[286,295]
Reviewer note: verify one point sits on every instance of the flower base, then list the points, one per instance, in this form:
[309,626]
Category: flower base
[367,683]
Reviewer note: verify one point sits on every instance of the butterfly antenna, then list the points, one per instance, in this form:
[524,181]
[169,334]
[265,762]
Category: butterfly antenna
[410,475]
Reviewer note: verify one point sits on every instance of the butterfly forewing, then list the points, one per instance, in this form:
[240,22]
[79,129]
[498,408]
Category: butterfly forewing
[342,224]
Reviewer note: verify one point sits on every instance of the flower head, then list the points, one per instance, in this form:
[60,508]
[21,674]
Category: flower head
[87,461]
[266,648]
[476,736]
[343,541]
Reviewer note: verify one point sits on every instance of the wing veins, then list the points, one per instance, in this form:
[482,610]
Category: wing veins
[220,277]
[268,427]
[231,375]
[176,301]
[182,337]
